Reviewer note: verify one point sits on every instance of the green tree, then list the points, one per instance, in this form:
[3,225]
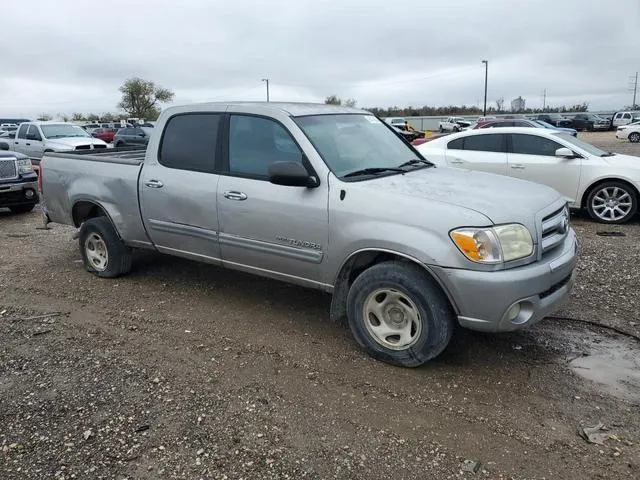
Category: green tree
[141,98]
[333,100]
[44,117]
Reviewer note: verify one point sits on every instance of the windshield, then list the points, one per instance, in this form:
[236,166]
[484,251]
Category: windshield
[587,147]
[353,142]
[62,130]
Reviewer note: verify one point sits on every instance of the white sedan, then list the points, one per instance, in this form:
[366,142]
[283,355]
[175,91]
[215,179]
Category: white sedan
[629,132]
[607,184]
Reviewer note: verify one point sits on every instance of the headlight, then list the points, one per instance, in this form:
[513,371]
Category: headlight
[24,166]
[501,243]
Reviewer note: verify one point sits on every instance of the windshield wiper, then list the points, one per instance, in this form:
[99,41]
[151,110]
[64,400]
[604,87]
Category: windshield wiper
[415,161]
[608,154]
[373,171]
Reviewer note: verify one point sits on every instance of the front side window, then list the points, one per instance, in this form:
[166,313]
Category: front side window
[485,143]
[533,145]
[33,130]
[257,142]
[457,144]
[350,143]
[22,132]
[189,142]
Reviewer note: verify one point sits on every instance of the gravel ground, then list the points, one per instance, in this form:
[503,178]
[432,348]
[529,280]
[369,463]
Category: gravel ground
[183,370]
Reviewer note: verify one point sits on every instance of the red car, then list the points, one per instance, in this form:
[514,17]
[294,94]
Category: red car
[433,136]
[105,134]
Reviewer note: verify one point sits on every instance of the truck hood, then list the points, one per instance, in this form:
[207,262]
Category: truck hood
[501,199]
[72,142]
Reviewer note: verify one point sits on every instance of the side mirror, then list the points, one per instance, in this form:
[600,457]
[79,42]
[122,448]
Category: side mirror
[565,153]
[4,146]
[291,174]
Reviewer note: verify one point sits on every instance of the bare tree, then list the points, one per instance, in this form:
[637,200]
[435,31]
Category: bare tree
[333,100]
[141,98]
[500,103]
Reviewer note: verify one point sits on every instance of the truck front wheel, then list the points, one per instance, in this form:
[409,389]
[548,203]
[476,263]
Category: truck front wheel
[399,314]
[103,253]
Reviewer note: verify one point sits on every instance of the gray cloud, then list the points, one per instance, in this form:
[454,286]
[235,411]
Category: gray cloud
[70,55]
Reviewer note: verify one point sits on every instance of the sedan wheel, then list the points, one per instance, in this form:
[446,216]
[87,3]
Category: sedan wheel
[634,137]
[612,202]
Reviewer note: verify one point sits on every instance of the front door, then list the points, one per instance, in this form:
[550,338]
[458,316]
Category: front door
[265,228]
[178,188]
[482,152]
[533,158]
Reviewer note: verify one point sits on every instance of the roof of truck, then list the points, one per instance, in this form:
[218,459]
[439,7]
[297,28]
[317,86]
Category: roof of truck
[293,109]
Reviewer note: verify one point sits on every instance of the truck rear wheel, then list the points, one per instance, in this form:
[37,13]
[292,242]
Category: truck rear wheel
[399,314]
[103,253]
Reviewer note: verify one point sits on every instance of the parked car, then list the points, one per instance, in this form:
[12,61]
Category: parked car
[523,122]
[605,183]
[18,181]
[33,139]
[589,121]
[132,136]
[624,118]
[554,119]
[104,134]
[262,187]
[395,121]
[629,132]
[454,124]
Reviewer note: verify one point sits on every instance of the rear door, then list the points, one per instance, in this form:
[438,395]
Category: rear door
[485,152]
[178,188]
[271,229]
[532,157]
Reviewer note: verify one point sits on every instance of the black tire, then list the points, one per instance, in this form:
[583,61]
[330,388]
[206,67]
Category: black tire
[634,137]
[612,184]
[118,254]
[119,144]
[22,208]
[590,127]
[456,129]
[441,129]
[435,313]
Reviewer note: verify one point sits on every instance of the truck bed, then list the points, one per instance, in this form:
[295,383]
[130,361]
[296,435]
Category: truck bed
[74,181]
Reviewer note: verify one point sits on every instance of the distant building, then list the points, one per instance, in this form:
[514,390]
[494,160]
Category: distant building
[517,104]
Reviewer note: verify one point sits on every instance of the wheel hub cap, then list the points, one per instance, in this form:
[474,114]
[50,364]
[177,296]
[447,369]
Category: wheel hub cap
[96,252]
[611,203]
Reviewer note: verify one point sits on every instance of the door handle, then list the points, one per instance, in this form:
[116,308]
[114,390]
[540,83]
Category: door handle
[517,166]
[27,144]
[233,195]
[154,184]
[457,161]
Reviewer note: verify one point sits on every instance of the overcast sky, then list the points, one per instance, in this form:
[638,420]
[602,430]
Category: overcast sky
[72,55]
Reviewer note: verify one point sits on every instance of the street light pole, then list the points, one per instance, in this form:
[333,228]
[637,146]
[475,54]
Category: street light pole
[266,80]
[486,75]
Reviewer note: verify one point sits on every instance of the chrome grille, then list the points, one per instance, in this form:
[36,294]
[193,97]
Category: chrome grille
[555,228]
[8,169]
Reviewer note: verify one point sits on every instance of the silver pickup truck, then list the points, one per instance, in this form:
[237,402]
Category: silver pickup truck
[329,198]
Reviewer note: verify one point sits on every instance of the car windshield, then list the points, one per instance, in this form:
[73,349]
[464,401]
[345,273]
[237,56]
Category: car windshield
[354,142]
[587,147]
[62,130]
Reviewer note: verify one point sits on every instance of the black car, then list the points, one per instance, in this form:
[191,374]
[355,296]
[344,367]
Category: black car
[555,119]
[18,181]
[589,121]
[132,136]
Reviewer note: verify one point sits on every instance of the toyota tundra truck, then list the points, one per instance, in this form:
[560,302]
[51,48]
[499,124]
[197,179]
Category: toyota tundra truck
[330,198]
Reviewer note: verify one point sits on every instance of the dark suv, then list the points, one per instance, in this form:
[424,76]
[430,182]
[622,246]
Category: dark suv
[555,119]
[589,121]
[18,181]
[132,136]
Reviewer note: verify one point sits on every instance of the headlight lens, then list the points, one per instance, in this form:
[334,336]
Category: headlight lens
[501,243]
[24,166]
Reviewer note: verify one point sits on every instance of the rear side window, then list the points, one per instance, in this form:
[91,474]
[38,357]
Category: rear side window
[626,116]
[485,143]
[22,132]
[189,142]
[533,145]
[456,144]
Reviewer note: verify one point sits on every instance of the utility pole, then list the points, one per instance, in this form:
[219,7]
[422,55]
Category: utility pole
[635,89]
[486,76]
[266,80]
[544,99]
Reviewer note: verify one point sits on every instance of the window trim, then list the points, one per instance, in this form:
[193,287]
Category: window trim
[510,145]
[225,166]
[217,153]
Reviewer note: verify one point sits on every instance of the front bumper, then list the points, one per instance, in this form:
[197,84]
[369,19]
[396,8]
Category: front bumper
[622,134]
[14,194]
[484,299]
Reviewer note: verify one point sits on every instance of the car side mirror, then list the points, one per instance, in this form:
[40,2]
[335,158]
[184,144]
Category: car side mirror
[4,146]
[291,174]
[565,153]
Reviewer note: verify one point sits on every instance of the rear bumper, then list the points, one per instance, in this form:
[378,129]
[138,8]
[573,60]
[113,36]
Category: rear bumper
[14,194]
[487,300]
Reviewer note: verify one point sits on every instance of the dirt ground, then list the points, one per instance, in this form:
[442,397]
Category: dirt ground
[184,370]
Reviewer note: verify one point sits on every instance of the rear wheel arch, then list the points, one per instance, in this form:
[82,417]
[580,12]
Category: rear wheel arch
[362,260]
[84,210]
